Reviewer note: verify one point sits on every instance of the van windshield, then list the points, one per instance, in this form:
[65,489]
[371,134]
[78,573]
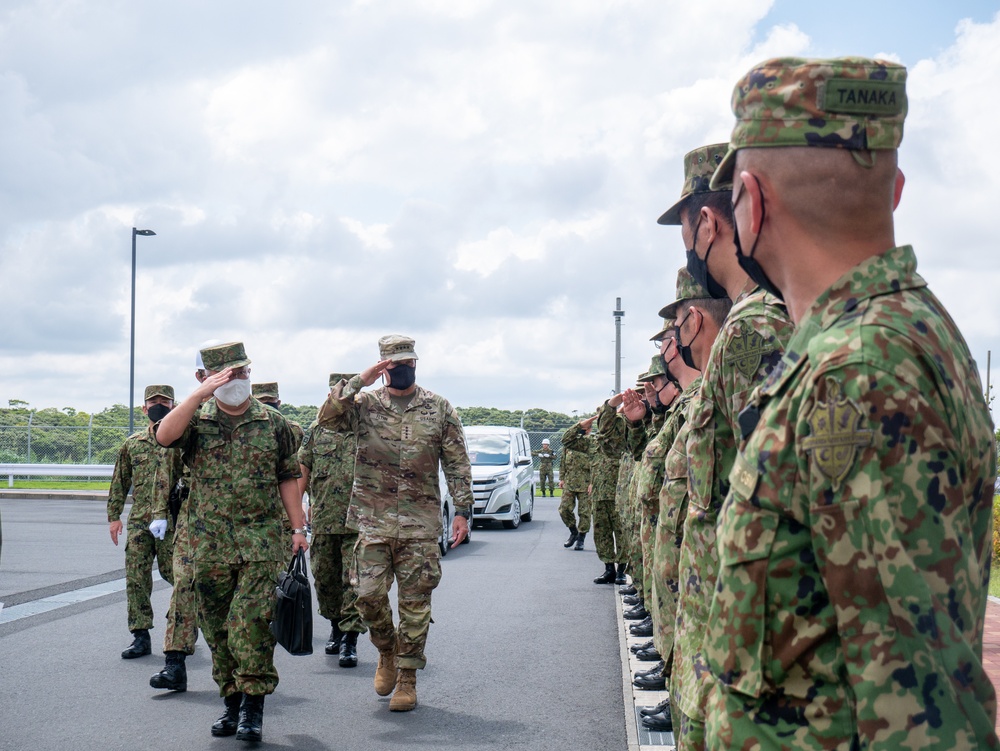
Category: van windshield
[489,449]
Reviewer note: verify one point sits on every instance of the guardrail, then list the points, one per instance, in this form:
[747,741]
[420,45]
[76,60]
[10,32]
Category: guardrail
[55,470]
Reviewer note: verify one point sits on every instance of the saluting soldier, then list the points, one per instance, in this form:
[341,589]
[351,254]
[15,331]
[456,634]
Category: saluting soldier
[574,479]
[855,539]
[138,467]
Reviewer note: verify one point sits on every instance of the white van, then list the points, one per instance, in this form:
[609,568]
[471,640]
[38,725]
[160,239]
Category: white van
[503,480]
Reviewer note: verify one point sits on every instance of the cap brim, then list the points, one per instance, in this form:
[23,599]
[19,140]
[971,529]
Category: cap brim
[400,356]
[672,215]
[158,393]
[237,363]
[670,311]
[724,172]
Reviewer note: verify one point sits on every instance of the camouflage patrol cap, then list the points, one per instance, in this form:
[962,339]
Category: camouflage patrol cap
[665,329]
[222,356]
[265,390]
[396,347]
[687,289]
[655,369]
[699,166]
[853,103]
[336,378]
[159,390]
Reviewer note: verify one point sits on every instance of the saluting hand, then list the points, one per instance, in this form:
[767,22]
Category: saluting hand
[370,375]
[633,408]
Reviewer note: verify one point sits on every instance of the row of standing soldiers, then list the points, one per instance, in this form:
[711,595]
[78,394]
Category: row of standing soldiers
[810,464]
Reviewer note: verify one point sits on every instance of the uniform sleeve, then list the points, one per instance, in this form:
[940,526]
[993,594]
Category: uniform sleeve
[573,438]
[610,431]
[305,456]
[894,548]
[339,411]
[455,460]
[169,469]
[121,482]
[288,460]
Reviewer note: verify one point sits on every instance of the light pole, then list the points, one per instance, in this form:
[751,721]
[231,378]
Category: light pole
[131,351]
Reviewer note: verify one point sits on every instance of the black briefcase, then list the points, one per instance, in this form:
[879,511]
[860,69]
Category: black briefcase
[293,612]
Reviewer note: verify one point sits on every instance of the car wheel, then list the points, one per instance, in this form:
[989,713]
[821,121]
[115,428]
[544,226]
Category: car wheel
[515,515]
[443,540]
[531,508]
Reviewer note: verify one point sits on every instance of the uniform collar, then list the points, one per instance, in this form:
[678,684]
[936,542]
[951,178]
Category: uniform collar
[385,398]
[256,411]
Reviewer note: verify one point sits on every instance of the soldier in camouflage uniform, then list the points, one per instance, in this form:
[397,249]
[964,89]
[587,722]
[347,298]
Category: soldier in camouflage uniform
[404,432]
[854,541]
[574,479]
[242,459]
[136,468]
[733,358]
[181,633]
[326,460]
[545,458]
[600,491]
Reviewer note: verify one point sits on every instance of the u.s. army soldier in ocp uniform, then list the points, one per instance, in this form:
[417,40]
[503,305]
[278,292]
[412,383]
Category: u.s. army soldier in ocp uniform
[244,472]
[404,433]
[148,469]
[326,460]
[855,540]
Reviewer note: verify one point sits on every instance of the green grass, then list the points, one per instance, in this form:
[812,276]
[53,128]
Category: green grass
[59,485]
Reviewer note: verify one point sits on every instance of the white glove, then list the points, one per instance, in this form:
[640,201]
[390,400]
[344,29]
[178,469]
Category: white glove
[158,528]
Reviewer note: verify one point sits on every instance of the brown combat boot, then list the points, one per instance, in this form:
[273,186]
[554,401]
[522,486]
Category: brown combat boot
[385,673]
[405,697]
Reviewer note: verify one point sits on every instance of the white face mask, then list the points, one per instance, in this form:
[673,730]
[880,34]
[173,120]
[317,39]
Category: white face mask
[234,393]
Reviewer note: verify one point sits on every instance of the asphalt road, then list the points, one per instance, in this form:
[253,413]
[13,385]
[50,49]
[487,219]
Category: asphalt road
[523,653]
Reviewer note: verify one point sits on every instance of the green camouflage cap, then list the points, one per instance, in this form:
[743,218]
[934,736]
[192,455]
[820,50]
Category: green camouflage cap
[396,347]
[336,378]
[666,328]
[853,103]
[222,356]
[687,289]
[159,390]
[655,369]
[699,166]
[265,390]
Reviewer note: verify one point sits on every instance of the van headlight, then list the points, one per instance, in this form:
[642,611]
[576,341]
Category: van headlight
[499,479]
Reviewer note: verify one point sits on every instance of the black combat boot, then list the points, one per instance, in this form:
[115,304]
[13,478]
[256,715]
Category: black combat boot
[141,645]
[620,575]
[251,719]
[572,537]
[174,674]
[333,644]
[579,540]
[226,725]
[608,576]
[628,589]
[349,650]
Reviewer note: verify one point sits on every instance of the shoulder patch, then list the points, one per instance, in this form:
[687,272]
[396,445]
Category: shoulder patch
[746,350]
[835,434]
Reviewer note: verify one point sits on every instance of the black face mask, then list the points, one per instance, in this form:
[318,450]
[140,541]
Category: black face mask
[698,268]
[401,377]
[157,412]
[666,371]
[747,262]
[685,349]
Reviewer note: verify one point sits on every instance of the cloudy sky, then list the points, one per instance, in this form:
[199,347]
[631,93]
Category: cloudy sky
[483,175]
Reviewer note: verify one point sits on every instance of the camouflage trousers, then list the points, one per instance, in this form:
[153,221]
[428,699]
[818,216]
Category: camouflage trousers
[416,567]
[663,573]
[689,734]
[545,476]
[647,527]
[607,533]
[182,615]
[140,549]
[235,607]
[330,560]
[574,510]
[631,526]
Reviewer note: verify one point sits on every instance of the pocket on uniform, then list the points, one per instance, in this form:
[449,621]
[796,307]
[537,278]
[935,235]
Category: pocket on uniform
[701,453]
[674,491]
[736,644]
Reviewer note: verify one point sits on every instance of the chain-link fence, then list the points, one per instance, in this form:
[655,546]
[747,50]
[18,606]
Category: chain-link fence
[61,444]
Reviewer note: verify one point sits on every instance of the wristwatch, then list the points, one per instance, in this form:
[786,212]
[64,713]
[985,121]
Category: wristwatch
[298,531]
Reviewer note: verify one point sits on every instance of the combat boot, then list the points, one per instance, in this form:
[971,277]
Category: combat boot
[620,575]
[141,645]
[226,725]
[251,726]
[579,540]
[349,650]
[405,697]
[572,537]
[333,643]
[385,673]
[608,576]
[174,674]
